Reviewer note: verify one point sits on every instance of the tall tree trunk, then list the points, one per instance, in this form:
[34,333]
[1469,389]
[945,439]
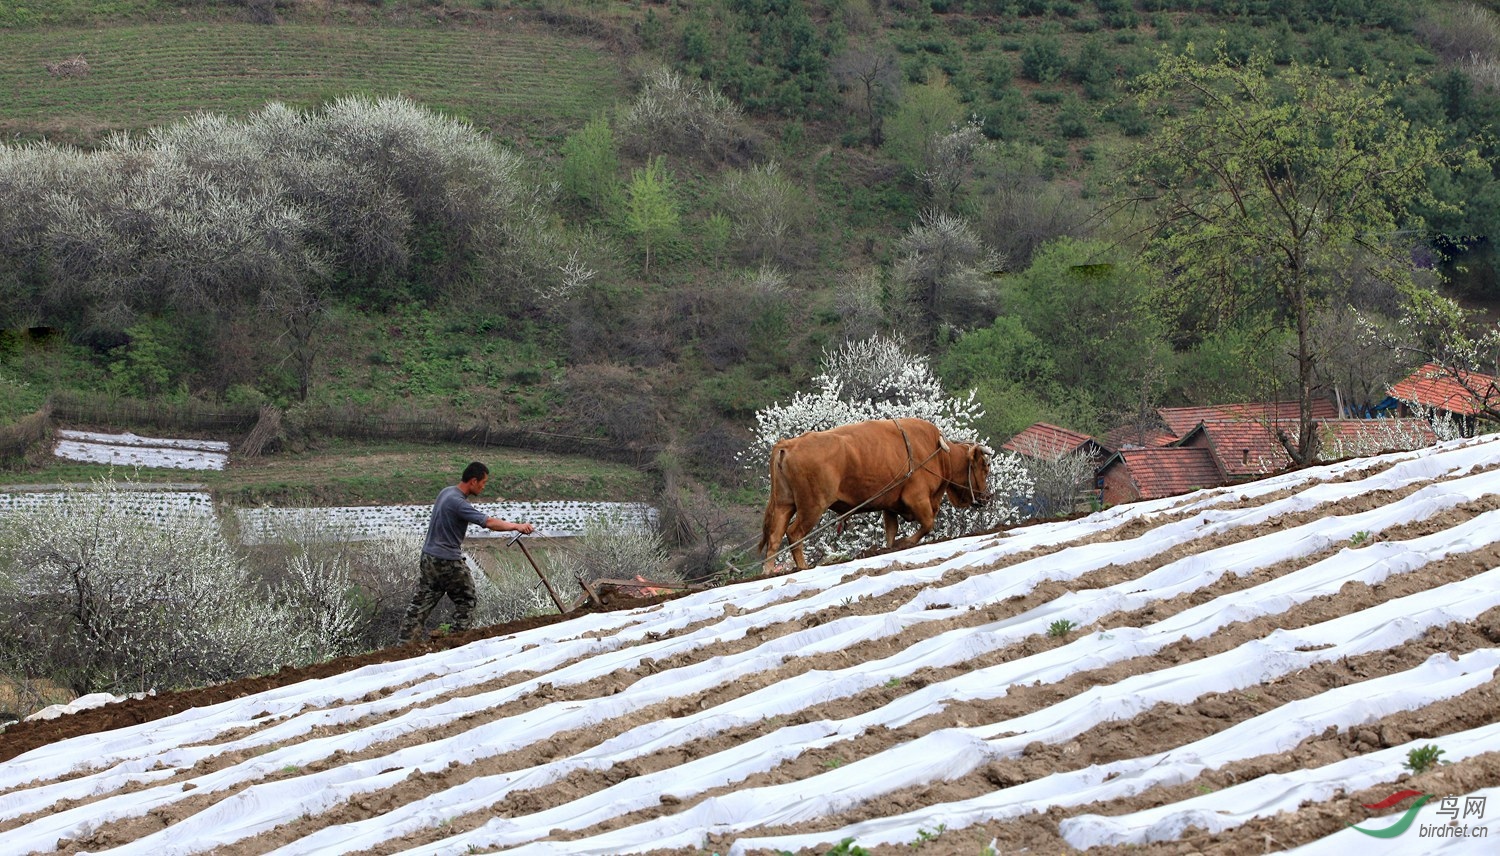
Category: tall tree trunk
[1306,451]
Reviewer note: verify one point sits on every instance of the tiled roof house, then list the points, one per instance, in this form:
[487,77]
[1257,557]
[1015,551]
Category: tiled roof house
[1463,394]
[1247,450]
[1047,441]
[1139,435]
[1181,420]
[1242,441]
[1243,450]
[1134,474]
[1214,445]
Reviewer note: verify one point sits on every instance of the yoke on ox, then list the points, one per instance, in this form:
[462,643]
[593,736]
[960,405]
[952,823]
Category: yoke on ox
[900,467]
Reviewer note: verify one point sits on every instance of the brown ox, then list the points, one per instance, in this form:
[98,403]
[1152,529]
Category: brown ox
[900,467]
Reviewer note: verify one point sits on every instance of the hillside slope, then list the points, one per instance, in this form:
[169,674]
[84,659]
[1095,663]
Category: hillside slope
[1250,668]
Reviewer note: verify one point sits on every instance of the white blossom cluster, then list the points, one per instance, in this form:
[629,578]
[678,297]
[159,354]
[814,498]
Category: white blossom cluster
[877,378]
[680,115]
[123,602]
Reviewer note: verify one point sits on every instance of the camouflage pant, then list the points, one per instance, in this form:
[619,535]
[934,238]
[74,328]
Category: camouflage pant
[440,577]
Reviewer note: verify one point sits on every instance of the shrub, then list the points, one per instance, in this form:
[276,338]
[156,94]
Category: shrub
[375,199]
[1459,33]
[115,599]
[611,401]
[675,115]
[351,594]
[948,270]
[771,216]
[1042,59]
[739,319]
[1020,210]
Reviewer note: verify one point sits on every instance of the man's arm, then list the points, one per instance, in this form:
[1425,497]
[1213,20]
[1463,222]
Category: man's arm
[495,524]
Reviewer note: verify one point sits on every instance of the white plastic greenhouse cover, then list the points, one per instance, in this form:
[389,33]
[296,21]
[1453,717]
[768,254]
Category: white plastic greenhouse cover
[125,773]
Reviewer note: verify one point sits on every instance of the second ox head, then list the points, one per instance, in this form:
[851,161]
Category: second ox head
[969,474]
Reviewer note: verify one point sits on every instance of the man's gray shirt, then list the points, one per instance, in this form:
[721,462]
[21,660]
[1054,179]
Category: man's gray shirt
[451,516]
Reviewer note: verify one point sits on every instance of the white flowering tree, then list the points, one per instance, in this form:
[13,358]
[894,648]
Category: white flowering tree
[108,598]
[878,378]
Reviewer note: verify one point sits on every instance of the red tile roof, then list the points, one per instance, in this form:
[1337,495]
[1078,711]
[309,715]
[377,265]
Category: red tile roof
[1244,448]
[1184,419]
[1138,437]
[1170,470]
[1044,440]
[1432,386]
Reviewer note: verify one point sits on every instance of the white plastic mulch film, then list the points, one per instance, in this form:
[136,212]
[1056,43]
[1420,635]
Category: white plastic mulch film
[131,450]
[796,712]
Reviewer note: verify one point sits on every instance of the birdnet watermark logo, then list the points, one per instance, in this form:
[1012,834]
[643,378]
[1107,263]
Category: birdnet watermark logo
[1451,810]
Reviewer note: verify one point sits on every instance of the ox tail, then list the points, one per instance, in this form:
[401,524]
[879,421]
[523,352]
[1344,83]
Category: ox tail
[778,492]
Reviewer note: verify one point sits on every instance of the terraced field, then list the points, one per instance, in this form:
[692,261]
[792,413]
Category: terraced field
[1247,669]
[516,82]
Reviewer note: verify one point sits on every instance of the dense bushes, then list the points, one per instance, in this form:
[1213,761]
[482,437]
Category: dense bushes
[105,601]
[372,201]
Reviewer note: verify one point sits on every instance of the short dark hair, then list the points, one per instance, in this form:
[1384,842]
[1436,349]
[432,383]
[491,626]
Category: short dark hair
[475,470]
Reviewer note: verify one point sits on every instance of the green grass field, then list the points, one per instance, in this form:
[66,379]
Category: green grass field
[520,82]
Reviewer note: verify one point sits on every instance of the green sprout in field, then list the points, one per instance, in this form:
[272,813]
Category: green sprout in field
[923,836]
[1060,628]
[1422,759]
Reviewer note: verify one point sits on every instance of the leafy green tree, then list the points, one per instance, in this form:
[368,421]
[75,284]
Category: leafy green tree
[1095,312]
[925,114]
[651,209]
[1013,377]
[1079,343]
[1264,191]
[591,166]
[143,366]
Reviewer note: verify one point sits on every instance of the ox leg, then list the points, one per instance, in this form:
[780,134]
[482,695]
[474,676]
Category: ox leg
[802,524]
[777,518]
[892,526]
[925,517]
